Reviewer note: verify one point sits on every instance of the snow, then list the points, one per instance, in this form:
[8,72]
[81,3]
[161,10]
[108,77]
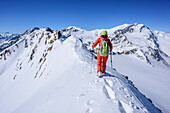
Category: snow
[163,40]
[63,79]
[152,81]
[6,35]
[7,39]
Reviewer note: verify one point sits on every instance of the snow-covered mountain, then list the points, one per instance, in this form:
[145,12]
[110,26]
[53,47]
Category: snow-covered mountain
[136,39]
[7,39]
[41,73]
[6,35]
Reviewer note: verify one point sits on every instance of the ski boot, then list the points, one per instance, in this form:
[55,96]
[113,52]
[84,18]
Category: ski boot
[99,74]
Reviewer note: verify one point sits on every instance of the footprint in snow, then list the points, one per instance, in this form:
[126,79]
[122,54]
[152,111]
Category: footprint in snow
[93,82]
[89,110]
[133,105]
[81,95]
[128,96]
[120,88]
[114,80]
[109,82]
[109,92]
[90,102]
[124,108]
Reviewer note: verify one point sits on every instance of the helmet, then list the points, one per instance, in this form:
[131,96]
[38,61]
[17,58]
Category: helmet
[104,32]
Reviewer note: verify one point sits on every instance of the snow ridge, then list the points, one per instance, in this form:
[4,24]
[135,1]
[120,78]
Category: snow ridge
[41,73]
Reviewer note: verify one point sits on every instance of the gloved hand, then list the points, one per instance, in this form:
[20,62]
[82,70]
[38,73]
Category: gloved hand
[92,49]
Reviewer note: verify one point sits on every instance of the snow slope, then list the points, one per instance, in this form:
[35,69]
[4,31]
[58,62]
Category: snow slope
[163,40]
[42,74]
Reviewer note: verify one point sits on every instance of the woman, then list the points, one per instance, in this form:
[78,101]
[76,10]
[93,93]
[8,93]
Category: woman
[105,46]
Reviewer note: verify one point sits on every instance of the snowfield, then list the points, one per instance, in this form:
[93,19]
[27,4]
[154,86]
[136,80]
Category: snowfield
[43,74]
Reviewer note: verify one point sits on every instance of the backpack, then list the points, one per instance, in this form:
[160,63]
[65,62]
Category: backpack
[104,48]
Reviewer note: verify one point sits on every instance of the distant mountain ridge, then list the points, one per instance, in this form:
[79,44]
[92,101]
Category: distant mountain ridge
[7,39]
[135,39]
[6,35]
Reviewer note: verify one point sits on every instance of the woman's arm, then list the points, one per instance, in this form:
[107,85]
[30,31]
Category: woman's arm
[95,43]
[111,46]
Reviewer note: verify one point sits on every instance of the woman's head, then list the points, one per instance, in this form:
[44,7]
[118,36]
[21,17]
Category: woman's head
[104,34]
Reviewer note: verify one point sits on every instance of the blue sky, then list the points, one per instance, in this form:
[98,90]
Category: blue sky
[16,16]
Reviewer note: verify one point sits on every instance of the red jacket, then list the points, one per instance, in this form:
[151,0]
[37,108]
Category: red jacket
[99,41]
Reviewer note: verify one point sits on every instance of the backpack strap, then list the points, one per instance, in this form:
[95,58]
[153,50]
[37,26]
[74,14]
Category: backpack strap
[105,40]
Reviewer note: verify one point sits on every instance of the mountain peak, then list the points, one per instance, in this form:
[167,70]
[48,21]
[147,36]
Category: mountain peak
[141,26]
[135,24]
[74,27]
[49,29]
[30,30]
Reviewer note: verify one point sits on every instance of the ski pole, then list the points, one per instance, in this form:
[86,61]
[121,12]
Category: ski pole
[111,59]
[91,51]
[111,62]
[91,62]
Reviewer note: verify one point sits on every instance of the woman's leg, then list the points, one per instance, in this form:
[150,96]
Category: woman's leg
[99,59]
[104,63]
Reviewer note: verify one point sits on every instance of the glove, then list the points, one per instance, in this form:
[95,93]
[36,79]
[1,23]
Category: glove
[92,49]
